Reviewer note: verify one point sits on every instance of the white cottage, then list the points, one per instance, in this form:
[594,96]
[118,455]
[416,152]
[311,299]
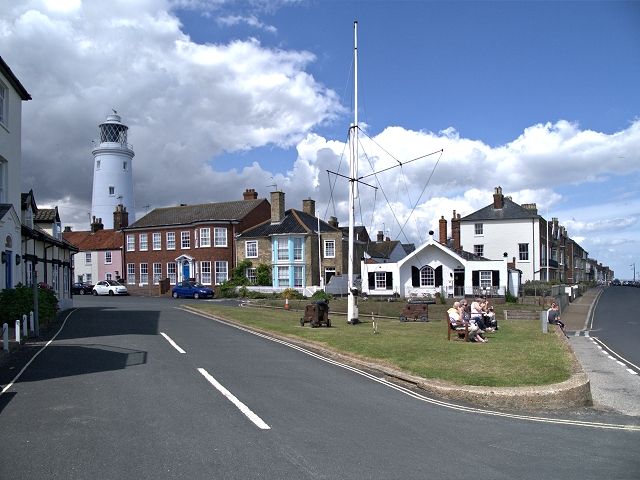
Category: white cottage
[436,268]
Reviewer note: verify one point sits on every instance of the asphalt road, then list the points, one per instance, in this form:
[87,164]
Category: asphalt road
[114,397]
[616,321]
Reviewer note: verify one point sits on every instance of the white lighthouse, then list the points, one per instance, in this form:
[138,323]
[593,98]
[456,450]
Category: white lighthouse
[112,172]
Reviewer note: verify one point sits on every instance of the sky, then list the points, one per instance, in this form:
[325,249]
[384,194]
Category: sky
[538,97]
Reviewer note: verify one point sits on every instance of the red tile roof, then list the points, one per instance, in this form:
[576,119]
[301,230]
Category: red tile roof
[100,240]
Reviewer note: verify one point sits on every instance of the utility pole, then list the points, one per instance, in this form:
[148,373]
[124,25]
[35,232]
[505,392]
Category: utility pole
[633,265]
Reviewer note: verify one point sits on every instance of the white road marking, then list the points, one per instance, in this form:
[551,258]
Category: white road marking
[418,396]
[232,398]
[172,343]
[631,371]
[10,384]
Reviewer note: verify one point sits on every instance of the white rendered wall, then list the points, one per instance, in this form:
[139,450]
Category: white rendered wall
[112,167]
[500,236]
[10,148]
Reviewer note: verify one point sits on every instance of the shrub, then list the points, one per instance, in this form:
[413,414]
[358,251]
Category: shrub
[263,275]
[291,294]
[18,301]
[322,295]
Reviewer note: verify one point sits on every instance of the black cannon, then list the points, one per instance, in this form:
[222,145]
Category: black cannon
[316,314]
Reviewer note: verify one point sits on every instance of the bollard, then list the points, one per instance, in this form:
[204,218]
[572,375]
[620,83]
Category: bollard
[5,337]
[544,322]
[24,326]
[18,331]
[31,327]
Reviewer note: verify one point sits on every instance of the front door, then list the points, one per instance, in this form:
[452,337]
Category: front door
[458,283]
[9,269]
[185,270]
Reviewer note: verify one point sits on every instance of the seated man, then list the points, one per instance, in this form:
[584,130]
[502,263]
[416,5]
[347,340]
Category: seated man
[553,316]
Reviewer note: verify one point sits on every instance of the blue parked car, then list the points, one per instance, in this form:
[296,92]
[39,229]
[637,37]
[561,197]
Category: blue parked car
[192,290]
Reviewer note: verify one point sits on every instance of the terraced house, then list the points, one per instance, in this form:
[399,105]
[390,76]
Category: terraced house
[188,242]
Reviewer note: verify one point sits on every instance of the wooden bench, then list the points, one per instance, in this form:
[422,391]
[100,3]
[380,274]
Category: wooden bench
[458,332]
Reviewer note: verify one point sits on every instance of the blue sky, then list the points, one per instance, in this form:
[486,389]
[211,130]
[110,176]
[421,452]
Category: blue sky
[538,97]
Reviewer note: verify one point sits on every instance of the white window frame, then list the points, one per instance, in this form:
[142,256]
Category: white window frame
[427,277]
[131,243]
[157,273]
[205,272]
[329,249]
[108,276]
[298,248]
[87,258]
[185,240]
[172,272]
[156,241]
[219,237]
[486,279]
[478,250]
[222,272]
[283,249]
[478,229]
[252,275]
[131,273]
[380,280]
[523,252]
[251,249]
[144,273]
[298,276]
[171,240]
[205,237]
[282,273]
[112,191]
[143,242]
[107,258]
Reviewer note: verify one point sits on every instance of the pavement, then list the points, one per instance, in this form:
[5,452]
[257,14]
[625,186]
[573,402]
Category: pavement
[613,387]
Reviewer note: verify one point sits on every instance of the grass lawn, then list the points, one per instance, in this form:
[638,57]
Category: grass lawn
[519,354]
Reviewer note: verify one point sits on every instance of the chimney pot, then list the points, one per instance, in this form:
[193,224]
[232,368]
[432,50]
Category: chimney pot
[250,194]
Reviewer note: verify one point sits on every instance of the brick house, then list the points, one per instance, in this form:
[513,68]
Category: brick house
[188,242]
[289,243]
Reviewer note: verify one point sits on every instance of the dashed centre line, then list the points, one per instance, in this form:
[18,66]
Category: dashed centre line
[172,343]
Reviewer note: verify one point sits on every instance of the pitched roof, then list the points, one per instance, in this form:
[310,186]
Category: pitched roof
[13,80]
[294,221]
[100,240]
[382,249]
[4,208]
[510,211]
[205,212]
[46,215]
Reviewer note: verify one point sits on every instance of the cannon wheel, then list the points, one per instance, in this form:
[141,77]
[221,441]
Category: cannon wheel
[328,323]
[403,318]
[423,318]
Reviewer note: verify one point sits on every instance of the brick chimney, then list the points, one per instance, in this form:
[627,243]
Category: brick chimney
[250,194]
[380,237]
[532,207]
[309,206]
[277,207]
[67,229]
[96,225]
[498,199]
[455,231]
[443,230]
[120,217]
[333,221]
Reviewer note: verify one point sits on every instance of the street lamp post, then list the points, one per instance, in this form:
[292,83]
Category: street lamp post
[633,265]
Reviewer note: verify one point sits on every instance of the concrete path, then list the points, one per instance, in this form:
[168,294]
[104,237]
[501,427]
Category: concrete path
[613,387]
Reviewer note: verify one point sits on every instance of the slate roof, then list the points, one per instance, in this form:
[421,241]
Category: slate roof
[510,211]
[294,221]
[91,241]
[13,80]
[188,214]
[382,249]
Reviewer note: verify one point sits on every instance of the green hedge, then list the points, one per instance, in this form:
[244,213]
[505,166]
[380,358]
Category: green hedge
[15,302]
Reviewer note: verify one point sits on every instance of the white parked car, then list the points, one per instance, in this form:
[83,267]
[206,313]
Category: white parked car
[109,287]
